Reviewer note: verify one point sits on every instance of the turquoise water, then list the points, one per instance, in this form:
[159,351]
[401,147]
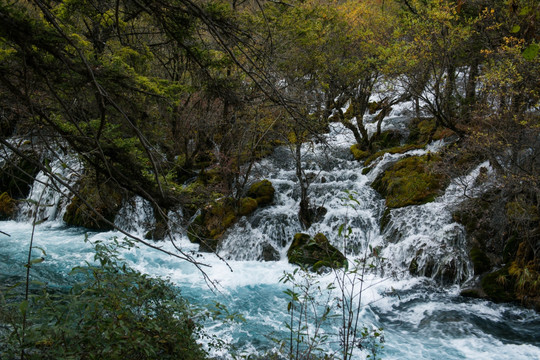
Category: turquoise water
[420,320]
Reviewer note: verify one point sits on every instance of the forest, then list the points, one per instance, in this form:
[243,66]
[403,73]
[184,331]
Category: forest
[174,101]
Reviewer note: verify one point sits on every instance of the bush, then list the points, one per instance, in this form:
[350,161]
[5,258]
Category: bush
[112,312]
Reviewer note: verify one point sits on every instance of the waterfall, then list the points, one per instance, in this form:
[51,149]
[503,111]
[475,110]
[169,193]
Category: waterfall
[49,195]
[422,240]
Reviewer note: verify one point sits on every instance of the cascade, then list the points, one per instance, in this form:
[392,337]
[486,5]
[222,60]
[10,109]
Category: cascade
[51,196]
[421,239]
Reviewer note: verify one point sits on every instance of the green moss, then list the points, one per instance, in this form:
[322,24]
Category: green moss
[314,253]
[480,261]
[358,153]
[410,181]
[247,206]
[262,191]
[105,198]
[499,286]
[366,170]
[7,206]
[394,150]
[386,139]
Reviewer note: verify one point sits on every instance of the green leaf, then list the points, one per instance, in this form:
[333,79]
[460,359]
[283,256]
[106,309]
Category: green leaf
[37,260]
[515,29]
[531,51]
[23,306]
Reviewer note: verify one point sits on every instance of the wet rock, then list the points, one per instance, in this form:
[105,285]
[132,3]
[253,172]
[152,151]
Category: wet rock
[269,253]
[105,198]
[17,175]
[314,253]
[262,191]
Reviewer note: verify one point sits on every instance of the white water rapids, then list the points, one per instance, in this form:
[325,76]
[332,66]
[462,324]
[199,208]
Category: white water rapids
[421,319]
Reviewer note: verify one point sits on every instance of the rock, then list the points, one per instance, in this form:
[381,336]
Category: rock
[314,253]
[499,286]
[208,227]
[269,253]
[358,153]
[247,206]
[105,198]
[480,261]
[262,191]
[410,181]
[17,176]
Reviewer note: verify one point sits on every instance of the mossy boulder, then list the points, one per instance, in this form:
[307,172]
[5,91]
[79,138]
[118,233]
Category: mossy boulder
[314,253]
[480,261]
[247,205]
[358,153]
[105,198]
[424,130]
[262,191]
[499,286]
[7,206]
[386,139]
[209,226]
[410,181]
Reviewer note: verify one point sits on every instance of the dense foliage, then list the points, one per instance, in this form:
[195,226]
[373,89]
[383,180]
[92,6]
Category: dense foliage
[111,312]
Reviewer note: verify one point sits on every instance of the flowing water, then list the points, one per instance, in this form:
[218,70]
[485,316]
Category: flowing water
[423,317]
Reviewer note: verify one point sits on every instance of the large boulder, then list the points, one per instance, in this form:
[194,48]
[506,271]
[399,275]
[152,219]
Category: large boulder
[208,227]
[105,198]
[315,253]
[262,191]
[410,181]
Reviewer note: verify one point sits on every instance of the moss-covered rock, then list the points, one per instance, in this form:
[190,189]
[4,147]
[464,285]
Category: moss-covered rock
[209,226]
[394,150]
[480,261]
[105,198]
[386,139]
[424,130]
[358,153]
[247,206]
[410,181]
[262,191]
[7,206]
[314,253]
[499,286]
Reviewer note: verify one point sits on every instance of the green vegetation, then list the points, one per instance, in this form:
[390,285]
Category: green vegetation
[174,101]
[102,197]
[210,225]
[410,181]
[111,312]
[7,206]
[262,191]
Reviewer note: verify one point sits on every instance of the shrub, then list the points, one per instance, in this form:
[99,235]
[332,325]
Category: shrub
[111,312]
